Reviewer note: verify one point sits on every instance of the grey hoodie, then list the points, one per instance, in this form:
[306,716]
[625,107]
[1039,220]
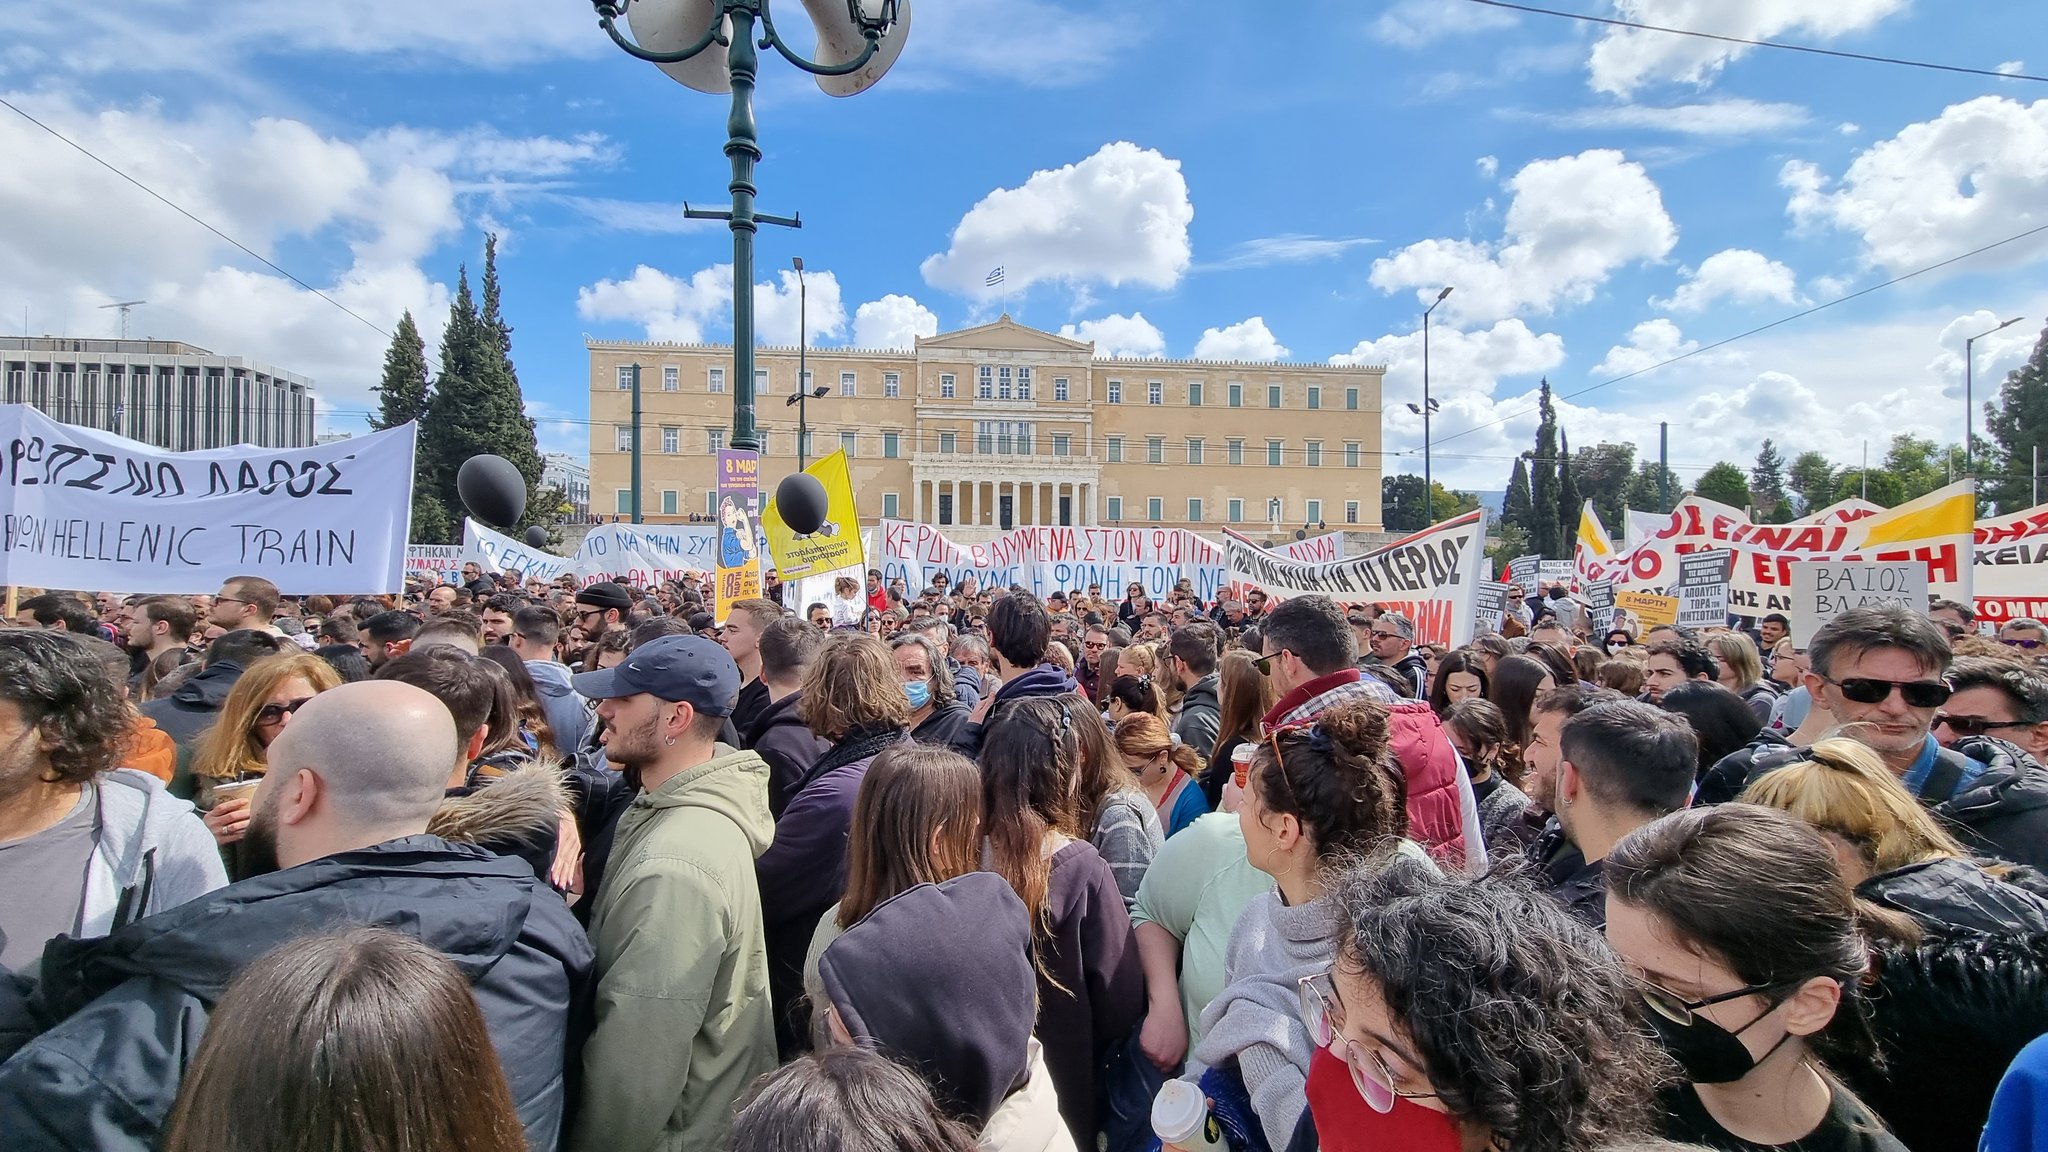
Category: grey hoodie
[151,852]
[568,713]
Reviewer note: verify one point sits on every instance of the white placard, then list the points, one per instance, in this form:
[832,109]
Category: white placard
[1824,589]
[1432,577]
[87,509]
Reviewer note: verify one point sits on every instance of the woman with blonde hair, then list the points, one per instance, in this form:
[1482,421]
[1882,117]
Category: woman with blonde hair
[1894,851]
[1165,769]
[230,756]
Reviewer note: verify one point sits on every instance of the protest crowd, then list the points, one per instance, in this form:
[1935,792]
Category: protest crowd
[492,865]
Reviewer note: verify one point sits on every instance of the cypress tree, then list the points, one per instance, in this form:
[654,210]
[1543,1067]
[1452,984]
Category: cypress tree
[1567,498]
[2017,422]
[1543,481]
[403,395]
[1515,509]
[456,413]
[516,438]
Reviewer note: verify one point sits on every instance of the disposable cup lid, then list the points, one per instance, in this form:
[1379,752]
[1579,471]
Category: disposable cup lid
[1178,1110]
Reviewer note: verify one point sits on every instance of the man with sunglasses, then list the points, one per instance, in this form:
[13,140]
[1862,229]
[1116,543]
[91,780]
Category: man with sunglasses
[1996,698]
[1877,676]
[2029,637]
[602,608]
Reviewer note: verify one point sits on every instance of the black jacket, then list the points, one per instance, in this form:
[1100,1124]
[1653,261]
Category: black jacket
[189,711]
[122,1016]
[1950,895]
[1044,680]
[1732,773]
[787,744]
[943,726]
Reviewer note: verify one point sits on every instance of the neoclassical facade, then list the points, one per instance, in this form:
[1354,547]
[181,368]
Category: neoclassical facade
[1001,426]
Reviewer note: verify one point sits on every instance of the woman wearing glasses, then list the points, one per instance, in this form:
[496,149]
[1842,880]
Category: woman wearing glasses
[1742,934]
[1469,1014]
[229,758]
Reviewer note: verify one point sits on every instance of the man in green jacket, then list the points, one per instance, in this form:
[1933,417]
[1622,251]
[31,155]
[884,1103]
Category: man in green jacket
[683,1018]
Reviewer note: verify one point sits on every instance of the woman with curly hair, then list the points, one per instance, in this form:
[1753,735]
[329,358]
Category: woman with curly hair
[1471,1013]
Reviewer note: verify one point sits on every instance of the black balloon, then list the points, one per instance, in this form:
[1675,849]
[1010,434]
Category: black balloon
[492,490]
[1301,533]
[536,537]
[801,501]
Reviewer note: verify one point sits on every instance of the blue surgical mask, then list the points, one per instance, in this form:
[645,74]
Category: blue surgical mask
[919,692]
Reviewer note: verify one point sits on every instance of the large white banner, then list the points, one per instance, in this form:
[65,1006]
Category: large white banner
[638,554]
[1045,560]
[2011,566]
[91,510]
[1432,577]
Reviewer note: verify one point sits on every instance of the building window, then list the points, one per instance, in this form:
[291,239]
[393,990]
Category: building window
[892,445]
[671,439]
[985,386]
[984,437]
[807,443]
[1116,509]
[1027,440]
[1023,383]
[625,440]
[1272,453]
[1155,392]
[1004,386]
[1315,397]
[1351,399]
[1315,511]
[1315,453]
[1155,509]
[1194,393]
[1062,444]
[1236,452]
[1059,387]
[1234,511]
[1272,395]
[625,377]
[671,501]
[715,439]
[889,505]
[945,506]
[892,385]
[1351,453]
[711,502]
[624,502]
[671,378]
[945,386]
[717,383]
[849,384]
[1116,449]
[1235,395]
[1116,391]
[846,442]
[806,380]
[1194,450]
[1194,510]
[1155,450]
[949,442]
[1351,511]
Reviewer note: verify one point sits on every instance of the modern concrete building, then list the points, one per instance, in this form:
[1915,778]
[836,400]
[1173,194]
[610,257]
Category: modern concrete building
[161,392]
[571,475]
[1004,425]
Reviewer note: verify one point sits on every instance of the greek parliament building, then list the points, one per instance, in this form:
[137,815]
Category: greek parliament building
[160,392]
[1003,426]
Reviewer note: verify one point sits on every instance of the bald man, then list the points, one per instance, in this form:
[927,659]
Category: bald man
[342,816]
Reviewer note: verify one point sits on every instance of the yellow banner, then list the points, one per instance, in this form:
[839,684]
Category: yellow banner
[1649,608]
[739,567]
[836,543]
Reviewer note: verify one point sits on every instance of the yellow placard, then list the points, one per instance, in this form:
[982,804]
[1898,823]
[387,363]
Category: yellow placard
[836,543]
[1648,607]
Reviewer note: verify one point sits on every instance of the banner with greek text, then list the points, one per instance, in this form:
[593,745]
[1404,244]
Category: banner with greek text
[439,562]
[89,509]
[1433,577]
[2011,566]
[641,555]
[1049,559]
[836,543]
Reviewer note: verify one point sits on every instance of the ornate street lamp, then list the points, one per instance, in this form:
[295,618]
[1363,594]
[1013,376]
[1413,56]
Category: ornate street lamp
[710,45]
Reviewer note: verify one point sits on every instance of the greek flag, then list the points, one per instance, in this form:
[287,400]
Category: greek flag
[994,277]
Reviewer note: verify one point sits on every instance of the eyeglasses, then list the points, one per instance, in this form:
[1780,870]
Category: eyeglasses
[1680,1011]
[273,714]
[2021,642]
[1976,725]
[1379,635]
[1324,1015]
[1916,693]
[233,600]
[1265,663]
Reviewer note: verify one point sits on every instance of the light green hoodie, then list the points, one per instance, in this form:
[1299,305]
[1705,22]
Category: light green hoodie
[683,1020]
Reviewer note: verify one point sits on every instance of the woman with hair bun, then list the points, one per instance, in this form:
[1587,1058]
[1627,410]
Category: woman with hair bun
[1317,794]
[1165,769]
[1134,695]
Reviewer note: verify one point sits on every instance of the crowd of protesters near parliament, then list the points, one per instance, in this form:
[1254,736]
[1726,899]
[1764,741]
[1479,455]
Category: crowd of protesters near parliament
[489,866]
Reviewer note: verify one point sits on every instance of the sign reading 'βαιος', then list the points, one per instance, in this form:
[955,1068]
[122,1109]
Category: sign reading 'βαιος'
[1824,589]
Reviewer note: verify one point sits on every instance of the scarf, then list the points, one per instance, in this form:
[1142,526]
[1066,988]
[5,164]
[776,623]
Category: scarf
[857,745]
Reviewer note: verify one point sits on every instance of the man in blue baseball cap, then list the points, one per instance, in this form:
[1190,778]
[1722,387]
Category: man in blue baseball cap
[683,1020]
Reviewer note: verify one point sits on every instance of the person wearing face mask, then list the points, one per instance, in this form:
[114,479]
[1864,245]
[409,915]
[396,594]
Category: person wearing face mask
[1742,933]
[937,716]
[1618,640]
[1458,1011]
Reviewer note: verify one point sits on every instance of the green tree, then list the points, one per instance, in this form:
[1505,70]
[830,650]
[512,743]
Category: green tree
[1402,508]
[402,396]
[2017,423]
[1568,507]
[1509,542]
[1543,481]
[1884,489]
[1515,507]
[1767,486]
[1602,473]
[520,445]
[1812,478]
[1646,492]
[1919,465]
[1725,483]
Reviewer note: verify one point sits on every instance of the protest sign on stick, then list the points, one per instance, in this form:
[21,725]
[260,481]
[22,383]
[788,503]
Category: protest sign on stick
[1432,577]
[1824,589]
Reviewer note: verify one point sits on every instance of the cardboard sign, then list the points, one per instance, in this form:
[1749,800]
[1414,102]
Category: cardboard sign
[1526,571]
[1493,603]
[1551,573]
[739,557]
[1648,608]
[1703,588]
[1824,589]
[441,563]
[1600,604]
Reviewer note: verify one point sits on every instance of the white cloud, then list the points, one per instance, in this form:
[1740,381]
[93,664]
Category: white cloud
[1574,220]
[1848,128]
[1976,173]
[1706,118]
[2012,67]
[1832,287]
[1624,59]
[1130,337]
[1414,23]
[1997,353]
[1651,342]
[1032,43]
[1246,340]
[1489,167]
[1734,274]
[699,309]
[892,322]
[1288,248]
[1120,216]
[634,215]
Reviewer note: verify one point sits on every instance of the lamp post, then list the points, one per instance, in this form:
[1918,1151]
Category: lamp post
[1969,386]
[710,45]
[1426,409]
[804,393]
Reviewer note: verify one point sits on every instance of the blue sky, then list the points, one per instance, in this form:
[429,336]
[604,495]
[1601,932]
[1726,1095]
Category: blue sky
[1224,179]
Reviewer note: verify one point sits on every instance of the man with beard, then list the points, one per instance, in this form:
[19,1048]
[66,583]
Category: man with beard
[160,624]
[1547,846]
[683,1017]
[338,834]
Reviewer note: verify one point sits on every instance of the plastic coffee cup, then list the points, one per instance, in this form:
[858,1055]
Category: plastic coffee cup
[233,789]
[1241,762]
[1180,1117]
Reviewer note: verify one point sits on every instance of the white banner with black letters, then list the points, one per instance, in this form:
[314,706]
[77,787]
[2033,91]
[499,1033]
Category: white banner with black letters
[85,509]
[1432,577]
